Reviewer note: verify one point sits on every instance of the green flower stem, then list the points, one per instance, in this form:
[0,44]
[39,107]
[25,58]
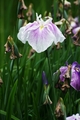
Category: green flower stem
[52,85]
[19,84]
[53,118]
[47,54]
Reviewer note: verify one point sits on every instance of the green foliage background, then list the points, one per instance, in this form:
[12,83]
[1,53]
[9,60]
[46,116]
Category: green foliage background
[21,95]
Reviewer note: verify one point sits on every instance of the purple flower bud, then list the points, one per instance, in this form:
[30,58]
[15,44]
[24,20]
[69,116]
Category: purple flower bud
[45,82]
[75,25]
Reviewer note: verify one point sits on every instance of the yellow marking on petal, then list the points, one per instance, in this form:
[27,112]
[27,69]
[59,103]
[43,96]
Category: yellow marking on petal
[41,27]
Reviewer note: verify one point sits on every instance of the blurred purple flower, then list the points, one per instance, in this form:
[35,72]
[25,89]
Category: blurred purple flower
[64,77]
[74,117]
[75,25]
[75,76]
[40,34]
[45,82]
[76,29]
[63,71]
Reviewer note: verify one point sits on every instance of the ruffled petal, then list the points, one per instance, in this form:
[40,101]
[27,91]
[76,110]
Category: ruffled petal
[58,34]
[24,31]
[75,76]
[22,36]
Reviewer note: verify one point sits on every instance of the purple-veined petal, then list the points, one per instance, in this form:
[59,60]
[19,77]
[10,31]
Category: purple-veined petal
[75,76]
[58,34]
[24,31]
[40,40]
[63,71]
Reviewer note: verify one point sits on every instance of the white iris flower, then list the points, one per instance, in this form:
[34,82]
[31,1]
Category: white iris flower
[40,34]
